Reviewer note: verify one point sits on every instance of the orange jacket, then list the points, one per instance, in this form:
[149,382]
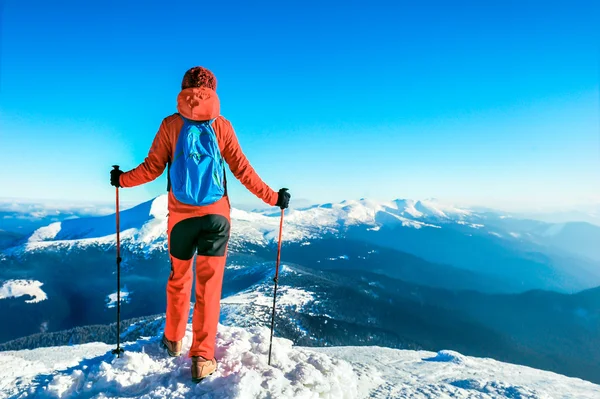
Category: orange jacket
[198,103]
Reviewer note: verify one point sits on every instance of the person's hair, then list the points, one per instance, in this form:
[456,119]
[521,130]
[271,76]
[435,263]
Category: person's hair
[199,77]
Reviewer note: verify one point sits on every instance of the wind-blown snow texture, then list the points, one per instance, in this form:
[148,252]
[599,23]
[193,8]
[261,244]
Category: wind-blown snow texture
[90,371]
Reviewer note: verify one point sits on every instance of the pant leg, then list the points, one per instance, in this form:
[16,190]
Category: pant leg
[182,245]
[179,291]
[210,267]
[209,282]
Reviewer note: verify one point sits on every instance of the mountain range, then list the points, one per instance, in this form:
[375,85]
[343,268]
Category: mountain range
[402,274]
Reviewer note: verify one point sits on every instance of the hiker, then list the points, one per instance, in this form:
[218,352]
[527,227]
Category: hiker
[194,143]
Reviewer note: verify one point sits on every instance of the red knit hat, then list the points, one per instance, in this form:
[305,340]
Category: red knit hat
[199,77]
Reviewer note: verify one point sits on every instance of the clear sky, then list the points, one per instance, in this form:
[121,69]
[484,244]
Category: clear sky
[494,103]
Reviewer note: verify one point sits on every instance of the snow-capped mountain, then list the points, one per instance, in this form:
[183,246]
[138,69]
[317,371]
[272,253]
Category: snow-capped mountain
[531,254]
[146,223]
[144,226]
[145,370]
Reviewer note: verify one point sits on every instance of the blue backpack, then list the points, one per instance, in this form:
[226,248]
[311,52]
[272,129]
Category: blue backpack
[197,171]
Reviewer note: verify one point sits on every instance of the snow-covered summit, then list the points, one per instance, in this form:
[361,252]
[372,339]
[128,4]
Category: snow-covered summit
[91,371]
[142,226]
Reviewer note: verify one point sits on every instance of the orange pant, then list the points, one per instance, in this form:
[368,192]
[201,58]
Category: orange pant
[206,237]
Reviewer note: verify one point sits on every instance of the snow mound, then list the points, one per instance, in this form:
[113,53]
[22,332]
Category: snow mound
[18,288]
[144,370]
[447,356]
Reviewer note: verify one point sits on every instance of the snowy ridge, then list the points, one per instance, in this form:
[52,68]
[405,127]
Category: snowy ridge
[45,233]
[287,297]
[441,210]
[145,370]
[143,228]
[252,307]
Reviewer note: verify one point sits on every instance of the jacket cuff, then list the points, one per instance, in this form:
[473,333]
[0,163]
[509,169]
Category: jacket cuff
[274,198]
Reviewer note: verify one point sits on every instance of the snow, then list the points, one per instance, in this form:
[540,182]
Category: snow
[344,257]
[428,208]
[18,288]
[286,297]
[448,374]
[19,370]
[145,370]
[143,227]
[435,208]
[45,233]
[409,208]
[471,225]
[111,300]
[254,306]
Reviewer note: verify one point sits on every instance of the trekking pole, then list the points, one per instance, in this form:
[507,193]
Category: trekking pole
[276,280]
[119,350]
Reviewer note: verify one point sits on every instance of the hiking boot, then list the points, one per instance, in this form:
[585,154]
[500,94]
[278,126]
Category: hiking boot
[174,348]
[202,368]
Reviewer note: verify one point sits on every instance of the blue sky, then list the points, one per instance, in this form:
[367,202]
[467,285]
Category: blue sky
[494,103]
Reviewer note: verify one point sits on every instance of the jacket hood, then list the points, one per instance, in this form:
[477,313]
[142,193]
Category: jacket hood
[198,103]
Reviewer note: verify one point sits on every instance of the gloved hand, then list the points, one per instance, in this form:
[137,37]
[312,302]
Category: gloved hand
[283,200]
[115,174]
